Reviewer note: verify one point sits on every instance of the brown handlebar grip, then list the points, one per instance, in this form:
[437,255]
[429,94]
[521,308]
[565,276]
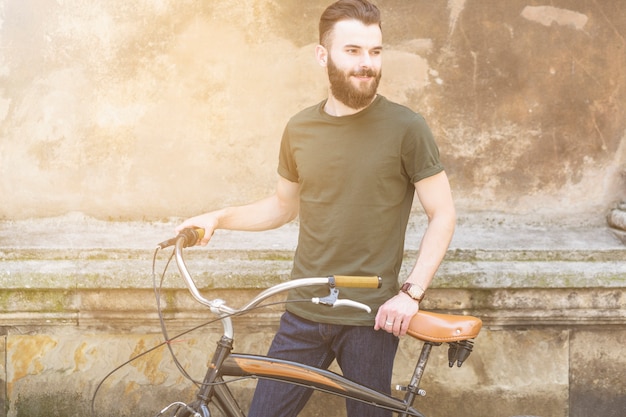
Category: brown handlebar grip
[193,236]
[200,233]
[357,281]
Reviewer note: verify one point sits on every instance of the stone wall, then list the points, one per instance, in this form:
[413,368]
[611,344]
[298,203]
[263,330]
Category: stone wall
[76,305]
[146,110]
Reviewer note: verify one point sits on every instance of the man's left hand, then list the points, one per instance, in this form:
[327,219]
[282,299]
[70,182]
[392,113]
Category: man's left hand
[395,315]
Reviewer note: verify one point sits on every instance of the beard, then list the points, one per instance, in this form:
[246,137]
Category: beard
[344,91]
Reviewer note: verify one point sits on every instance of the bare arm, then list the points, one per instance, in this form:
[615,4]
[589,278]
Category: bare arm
[269,213]
[436,198]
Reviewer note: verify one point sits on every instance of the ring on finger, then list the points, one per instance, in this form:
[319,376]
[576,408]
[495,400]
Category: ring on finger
[389,323]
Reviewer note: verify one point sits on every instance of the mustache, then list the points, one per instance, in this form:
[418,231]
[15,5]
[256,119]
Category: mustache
[364,73]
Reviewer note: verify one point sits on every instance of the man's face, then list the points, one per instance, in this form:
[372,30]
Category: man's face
[355,62]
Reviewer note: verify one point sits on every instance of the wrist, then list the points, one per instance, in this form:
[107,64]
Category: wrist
[415,291]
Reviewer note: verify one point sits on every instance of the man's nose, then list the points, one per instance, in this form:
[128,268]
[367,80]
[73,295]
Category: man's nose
[366,60]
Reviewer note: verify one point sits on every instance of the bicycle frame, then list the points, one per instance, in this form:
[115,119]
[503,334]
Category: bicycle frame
[225,364]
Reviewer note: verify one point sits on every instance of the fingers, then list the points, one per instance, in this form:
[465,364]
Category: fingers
[391,323]
[398,326]
[395,315]
[198,222]
[206,238]
[184,225]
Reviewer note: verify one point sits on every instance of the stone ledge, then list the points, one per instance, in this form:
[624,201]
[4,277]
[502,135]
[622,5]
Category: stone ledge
[96,269]
[509,274]
[126,309]
[478,231]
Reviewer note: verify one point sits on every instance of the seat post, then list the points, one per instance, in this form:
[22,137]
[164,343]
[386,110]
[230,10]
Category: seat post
[413,389]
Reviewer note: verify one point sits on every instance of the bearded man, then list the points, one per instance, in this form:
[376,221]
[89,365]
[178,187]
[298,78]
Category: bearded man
[349,167]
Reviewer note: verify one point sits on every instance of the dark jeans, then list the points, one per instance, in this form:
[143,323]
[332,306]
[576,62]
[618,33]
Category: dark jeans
[363,354]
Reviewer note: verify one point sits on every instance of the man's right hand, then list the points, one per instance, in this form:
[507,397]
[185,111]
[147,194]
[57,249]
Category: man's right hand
[208,222]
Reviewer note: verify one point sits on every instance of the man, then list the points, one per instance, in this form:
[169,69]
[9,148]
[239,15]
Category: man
[349,168]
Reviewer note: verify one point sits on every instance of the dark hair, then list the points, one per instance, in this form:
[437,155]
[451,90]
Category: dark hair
[361,10]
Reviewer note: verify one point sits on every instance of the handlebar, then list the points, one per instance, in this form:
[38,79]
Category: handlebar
[189,237]
[358,281]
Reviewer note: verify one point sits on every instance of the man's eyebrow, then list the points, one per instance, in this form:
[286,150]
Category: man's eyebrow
[349,46]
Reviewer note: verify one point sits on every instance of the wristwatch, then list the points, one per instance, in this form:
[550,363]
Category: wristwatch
[415,291]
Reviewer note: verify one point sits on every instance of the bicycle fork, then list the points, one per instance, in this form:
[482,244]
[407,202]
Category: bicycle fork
[212,381]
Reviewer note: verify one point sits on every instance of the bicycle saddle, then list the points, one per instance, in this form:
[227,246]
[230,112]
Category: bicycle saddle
[436,327]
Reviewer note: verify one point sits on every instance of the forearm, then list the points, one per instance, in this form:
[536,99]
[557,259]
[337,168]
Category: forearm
[269,213]
[433,248]
[265,214]
[436,198]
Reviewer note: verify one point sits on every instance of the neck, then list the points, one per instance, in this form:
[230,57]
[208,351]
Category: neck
[336,108]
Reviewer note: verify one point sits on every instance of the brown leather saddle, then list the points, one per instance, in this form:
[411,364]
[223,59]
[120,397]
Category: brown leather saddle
[438,328]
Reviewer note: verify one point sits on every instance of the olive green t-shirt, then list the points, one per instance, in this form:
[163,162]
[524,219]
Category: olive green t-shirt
[356,175]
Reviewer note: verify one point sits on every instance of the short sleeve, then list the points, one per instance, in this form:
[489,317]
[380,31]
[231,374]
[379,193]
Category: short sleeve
[286,162]
[420,154]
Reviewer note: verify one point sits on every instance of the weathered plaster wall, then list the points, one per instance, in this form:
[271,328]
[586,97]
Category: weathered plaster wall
[148,109]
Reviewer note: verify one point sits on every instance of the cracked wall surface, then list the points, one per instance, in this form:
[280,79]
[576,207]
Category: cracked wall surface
[145,110]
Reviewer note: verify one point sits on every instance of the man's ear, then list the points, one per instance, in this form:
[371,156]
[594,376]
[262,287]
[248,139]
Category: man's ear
[321,54]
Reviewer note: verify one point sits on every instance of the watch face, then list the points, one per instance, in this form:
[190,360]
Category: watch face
[415,291]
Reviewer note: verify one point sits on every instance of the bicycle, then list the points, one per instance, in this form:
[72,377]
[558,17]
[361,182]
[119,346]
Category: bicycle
[433,329]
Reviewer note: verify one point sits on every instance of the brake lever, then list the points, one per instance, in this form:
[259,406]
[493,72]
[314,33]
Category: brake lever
[351,303]
[333,300]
